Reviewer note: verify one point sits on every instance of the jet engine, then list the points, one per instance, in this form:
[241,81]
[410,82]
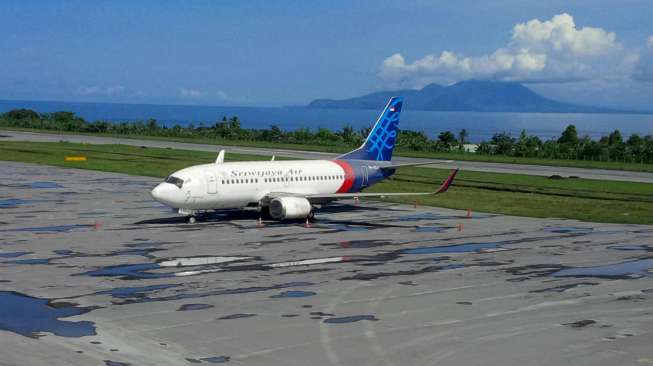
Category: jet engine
[290,208]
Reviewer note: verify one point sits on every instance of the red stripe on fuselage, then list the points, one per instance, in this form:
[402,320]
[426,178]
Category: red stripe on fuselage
[349,176]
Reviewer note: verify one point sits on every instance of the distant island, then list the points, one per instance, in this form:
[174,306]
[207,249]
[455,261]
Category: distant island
[467,96]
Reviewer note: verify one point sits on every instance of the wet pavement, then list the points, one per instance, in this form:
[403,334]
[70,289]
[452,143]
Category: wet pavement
[93,272]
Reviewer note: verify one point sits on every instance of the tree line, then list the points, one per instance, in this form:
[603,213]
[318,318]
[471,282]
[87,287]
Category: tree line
[568,146]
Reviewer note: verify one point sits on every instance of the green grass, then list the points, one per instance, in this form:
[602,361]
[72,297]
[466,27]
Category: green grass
[611,165]
[523,195]
[513,194]
[153,162]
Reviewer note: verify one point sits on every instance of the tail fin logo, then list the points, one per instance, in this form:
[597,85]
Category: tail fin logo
[381,140]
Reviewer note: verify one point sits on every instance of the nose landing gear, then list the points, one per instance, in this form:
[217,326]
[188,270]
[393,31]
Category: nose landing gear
[191,215]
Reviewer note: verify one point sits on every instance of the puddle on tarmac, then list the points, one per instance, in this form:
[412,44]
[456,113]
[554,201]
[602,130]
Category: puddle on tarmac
[115,363]
[128,271]
[364,243]
[419,216]
[219,292]
[150,243]
[43,184]
[129,292]
[632,247]
[216,359]
[202,261]
[350,319]
[13,202]
[563,288]
[189,307]
[344,227]
[31,316]
[432,229]
[457,248]
[13,254]
[568,229]
[30,261]
[580,323]
[410,272]
[236,316]
[53,229]
[630,269]
[287,294]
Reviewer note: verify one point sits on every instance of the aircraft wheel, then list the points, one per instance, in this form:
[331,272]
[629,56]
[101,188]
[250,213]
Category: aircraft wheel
[191,219]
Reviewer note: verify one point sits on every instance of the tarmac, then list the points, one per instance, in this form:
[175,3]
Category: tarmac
[538,170]
[94,272]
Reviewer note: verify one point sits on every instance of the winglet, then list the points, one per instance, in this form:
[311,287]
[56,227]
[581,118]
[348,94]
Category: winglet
[220,158]
[448,182]
[272,158]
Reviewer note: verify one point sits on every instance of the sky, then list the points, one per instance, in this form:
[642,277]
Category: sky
[277,53]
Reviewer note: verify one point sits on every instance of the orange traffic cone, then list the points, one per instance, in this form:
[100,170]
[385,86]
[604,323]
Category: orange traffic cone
[460,227]
[469,213]
[259,223]
[307,224]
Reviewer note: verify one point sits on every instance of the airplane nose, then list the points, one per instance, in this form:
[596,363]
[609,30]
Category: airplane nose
[165,193]
[157,192]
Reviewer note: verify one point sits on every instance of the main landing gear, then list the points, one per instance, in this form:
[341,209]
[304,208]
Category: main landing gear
[191,219]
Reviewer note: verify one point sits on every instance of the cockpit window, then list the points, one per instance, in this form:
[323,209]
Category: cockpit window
[176,181]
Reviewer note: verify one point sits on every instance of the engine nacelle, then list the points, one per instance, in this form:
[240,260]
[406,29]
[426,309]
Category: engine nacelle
[290,208]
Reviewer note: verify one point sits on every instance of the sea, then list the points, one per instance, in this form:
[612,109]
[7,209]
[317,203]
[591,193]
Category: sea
[480,125]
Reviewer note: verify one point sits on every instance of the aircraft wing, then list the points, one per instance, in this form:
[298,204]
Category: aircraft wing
[339,196]
[395,166]
[336,196]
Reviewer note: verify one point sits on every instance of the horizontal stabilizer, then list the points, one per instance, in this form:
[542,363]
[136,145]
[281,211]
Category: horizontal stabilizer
[395,166]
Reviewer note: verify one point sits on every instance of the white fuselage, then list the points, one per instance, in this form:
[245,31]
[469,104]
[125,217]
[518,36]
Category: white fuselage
[239,184]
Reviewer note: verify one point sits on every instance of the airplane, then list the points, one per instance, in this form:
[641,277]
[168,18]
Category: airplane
[291,189]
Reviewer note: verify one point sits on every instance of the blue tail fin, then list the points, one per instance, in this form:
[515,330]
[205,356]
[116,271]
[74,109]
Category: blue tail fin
[381,141]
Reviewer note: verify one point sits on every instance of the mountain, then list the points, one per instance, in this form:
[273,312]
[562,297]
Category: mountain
[471,95]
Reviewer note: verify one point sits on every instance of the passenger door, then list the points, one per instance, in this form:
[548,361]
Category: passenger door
[211,183]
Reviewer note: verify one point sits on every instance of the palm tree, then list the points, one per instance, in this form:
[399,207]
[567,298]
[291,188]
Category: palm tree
[462,138]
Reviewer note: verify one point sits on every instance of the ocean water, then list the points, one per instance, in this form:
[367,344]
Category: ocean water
[480,125]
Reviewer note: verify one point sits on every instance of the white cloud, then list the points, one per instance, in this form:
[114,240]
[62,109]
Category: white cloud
[115,89]
[561,34]
[553,50]
[88,90]
[191,93]
[112,90]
